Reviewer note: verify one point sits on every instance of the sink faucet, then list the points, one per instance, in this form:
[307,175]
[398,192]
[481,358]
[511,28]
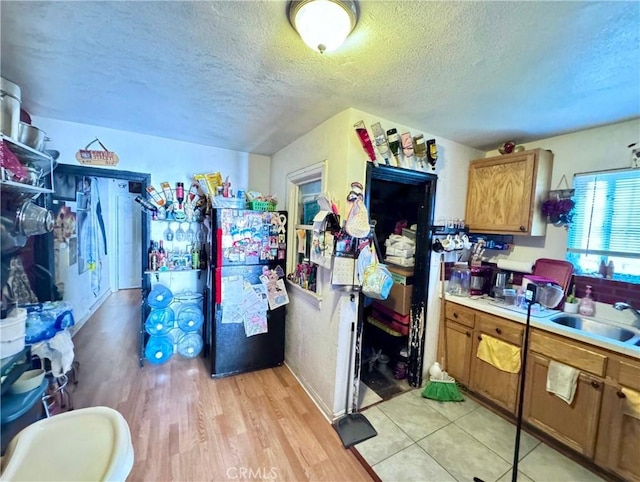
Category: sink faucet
[621,305]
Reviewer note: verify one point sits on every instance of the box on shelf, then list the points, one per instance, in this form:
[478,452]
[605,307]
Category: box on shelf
[401,275]
[399,299]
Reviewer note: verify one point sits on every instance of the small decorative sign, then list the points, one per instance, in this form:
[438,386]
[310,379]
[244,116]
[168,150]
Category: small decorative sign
[97,158]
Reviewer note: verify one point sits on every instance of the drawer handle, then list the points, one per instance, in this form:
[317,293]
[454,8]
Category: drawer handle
[468,334]
[595,384]
[621,394]
[498,331]
[522,228]
[480,337]
[455,315]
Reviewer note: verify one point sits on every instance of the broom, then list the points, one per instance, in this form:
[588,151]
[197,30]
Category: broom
[441,386]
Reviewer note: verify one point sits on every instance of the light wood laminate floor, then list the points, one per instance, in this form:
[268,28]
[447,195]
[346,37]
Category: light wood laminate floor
[186,426]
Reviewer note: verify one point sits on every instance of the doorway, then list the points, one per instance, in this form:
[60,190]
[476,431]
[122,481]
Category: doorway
[392,332]
[128,237]
[134,242]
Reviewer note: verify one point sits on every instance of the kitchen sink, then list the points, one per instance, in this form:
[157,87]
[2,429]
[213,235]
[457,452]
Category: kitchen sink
[595,328]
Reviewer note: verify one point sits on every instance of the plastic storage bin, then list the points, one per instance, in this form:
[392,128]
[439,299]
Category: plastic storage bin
[160,321]
[159,349]
[12,333]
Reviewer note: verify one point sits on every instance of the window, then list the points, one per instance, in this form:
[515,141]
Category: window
[606,223]
[304,186]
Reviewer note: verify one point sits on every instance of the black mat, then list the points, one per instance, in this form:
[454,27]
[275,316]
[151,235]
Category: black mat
[383,386]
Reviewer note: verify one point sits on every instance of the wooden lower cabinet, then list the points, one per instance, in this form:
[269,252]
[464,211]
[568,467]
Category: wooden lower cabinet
[498,386]
[575,425]
[459,347]
[619,436]
[601,423]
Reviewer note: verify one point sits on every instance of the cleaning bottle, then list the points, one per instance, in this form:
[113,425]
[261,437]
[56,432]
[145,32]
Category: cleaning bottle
[587,305]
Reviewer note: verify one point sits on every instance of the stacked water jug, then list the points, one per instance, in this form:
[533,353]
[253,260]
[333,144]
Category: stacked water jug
[175,328]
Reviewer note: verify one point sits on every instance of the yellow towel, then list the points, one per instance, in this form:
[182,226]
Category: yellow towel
[504,356]
[632,401]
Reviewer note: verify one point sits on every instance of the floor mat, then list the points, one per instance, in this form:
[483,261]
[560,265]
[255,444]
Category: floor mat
[380,384]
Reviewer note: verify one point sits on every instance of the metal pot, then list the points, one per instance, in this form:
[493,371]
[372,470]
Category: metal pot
[9,108]
[32,219]
[31,136]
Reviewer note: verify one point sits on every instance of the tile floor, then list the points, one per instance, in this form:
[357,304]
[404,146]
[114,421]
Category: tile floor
[425,440]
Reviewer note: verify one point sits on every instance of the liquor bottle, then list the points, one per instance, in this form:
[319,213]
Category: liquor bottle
[146,205]
[432,153]
[420,150]
[149,251]
[168,193]
[203,257]
[162,255]
[381,142]
[195,257]
[407,149]
[156,197]
[179,194]
[154,260]
[363,135]
[193,193]
[394,144]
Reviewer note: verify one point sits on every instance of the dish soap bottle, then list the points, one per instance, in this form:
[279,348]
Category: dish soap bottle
[587,305]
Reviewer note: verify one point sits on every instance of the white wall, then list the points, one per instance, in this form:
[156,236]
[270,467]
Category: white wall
[164,159]
[317,344]
[595,149]
[78,289]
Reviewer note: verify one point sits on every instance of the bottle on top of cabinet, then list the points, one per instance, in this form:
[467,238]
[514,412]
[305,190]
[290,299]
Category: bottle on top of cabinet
[587,306]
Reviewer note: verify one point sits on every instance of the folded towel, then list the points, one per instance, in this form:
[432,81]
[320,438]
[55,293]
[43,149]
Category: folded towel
[562,381]
[502,355]
[632,400]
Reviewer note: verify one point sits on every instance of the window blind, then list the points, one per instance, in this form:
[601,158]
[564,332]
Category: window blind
[606,220]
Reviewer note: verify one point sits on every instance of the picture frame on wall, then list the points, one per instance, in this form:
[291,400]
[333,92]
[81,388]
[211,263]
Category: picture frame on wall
[64,186]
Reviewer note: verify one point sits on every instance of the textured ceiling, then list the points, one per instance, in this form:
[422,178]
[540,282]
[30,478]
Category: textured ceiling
[234,74]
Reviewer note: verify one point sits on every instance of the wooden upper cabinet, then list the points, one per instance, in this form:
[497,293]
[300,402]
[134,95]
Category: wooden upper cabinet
[505,193]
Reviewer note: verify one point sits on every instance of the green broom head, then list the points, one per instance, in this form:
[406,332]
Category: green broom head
[443,391]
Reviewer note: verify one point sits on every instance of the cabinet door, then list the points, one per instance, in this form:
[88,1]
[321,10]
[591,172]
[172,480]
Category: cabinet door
[499,194]
[619,436]
[496,385]
[459,346]
[574,425]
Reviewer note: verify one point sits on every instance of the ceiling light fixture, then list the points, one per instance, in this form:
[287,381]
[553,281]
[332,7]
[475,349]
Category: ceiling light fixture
[323,24]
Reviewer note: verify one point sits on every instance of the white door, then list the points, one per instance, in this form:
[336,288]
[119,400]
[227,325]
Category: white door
[129,239]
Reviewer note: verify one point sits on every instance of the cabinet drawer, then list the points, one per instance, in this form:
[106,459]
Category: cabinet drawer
[503,329]
[460,314]
[569,352]
[629,374]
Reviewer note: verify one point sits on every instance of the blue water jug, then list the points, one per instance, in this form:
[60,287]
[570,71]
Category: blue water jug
[160,321]
[160,296]
[190,317]
[159,349]
[190,345]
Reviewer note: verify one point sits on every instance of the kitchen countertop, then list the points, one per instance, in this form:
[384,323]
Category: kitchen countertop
[542,319]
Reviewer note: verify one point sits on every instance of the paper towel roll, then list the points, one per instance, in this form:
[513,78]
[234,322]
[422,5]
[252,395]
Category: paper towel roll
[518,266]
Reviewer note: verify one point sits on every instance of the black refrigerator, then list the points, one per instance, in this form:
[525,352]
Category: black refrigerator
[244,329]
